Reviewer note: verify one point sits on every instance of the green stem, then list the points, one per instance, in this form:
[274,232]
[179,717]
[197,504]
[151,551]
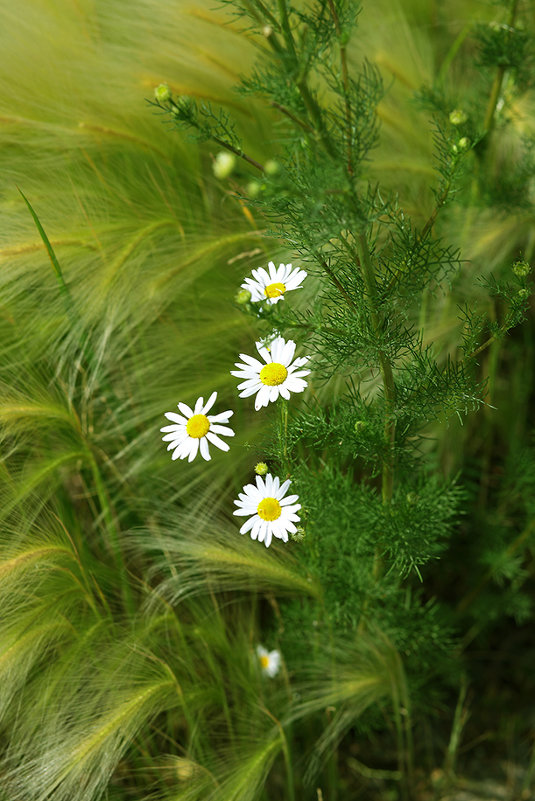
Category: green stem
[285,25]
[498,80]
[283,405]
[368,275]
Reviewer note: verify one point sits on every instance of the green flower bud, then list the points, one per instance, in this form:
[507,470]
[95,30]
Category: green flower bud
[411,498]
[271,167]
[359,426]
[224,164]
[523,294]
[458,116]
[243,297]
[162,93]
[463,143]
[261,469]
[253,189]
[521,269]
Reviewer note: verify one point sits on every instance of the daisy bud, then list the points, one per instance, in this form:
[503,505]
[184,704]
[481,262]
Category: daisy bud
[521,269]
[224,164]
[458,116]
[267,30]
[463,143]
[411,498]
[243,297]
[523,294]
[359,426]
[162,93]
[271,167]
[261,469]
[253,189]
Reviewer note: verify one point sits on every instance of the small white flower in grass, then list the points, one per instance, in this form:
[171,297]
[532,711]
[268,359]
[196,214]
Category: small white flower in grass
[270,661]
[278,376]
[271,286]
[270,513]
[194,429]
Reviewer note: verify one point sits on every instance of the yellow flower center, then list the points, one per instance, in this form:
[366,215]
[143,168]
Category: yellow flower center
[264,662]
[274,290]
[269,509]
[273,374]
[197,426]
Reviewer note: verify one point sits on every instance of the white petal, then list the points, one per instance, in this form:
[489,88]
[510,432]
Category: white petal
[288,500]
[284,488]
[298,373]
[214,439]
[264,352]
[198,405]
[274,393]
[277,349]
[261,485]
[297,385]
[249,382]
[251,361]
[262,398]
[256,527]
[193,450]
[210,402]
[247,526]
[185,410]
[227,432]
[289,351]
[175,436]
[175,418]
[285,393]
[246,393]
[220,418]
[205,452]
[267,541]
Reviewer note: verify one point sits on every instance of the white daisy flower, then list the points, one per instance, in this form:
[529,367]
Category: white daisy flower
[194,429]
[278,376]
[270,661]
[271,286]
[271,514]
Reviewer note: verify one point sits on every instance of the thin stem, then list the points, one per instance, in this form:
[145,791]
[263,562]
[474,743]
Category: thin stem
[498,80]
[345,83]
[302,124]
[368,275]
[239,153]
[285,25]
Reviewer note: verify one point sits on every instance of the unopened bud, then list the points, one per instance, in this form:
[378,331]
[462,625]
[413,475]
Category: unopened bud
[359,426]
[253,189]
[261,469]
[267,30]
[162,93]
[271,167]
[224,164]
[458,116]
[523,294]
[464,143]
[521,269]
[243,297]
[411,497]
